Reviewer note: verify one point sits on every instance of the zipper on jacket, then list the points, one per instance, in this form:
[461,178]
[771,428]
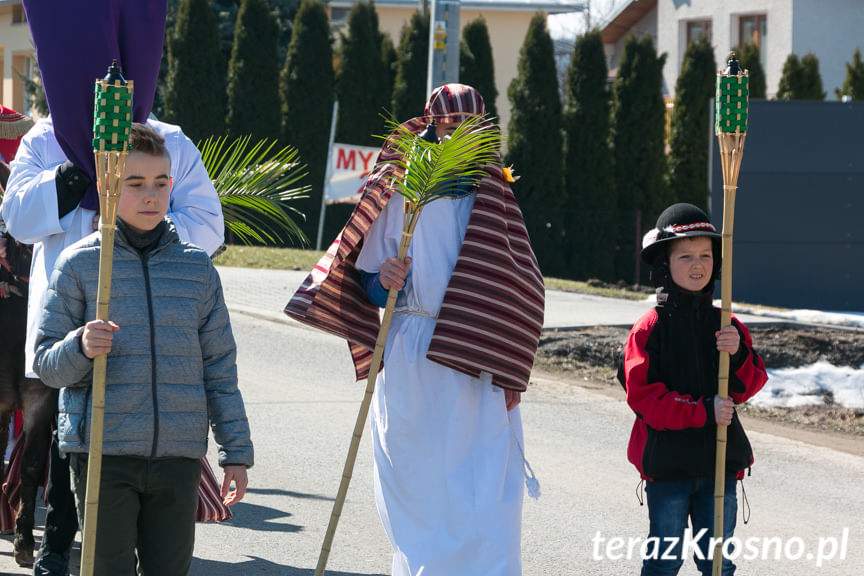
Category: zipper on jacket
[154,390]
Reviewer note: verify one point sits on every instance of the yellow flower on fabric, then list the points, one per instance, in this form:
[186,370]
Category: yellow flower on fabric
[509,175]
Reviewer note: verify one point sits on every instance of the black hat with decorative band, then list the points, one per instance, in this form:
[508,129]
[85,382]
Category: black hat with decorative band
[679,221]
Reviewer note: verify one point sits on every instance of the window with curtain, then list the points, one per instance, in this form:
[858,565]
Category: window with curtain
[752,28]
[698,29]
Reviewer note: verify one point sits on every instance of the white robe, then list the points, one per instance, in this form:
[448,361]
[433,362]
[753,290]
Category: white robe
[448,470]
[31,215]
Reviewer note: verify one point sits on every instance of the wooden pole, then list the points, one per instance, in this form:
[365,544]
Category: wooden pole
[110,166]
[412,214]
[732,96]
[723,374]
[731,146]
[104,165]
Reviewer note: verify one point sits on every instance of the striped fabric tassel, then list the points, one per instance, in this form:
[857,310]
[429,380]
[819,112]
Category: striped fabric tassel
[210,506]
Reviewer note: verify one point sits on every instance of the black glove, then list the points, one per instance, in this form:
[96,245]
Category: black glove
[71,184]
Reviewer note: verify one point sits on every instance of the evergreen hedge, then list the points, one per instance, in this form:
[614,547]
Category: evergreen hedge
[853,85]
[409,90]
[253,74]
[536,145]
[800,79]
[361,79]
[476,65]
[811,79]
[591,202]
[750,59]
[638,133]
[691,130]
[307,105]
[389,57]
[194,90]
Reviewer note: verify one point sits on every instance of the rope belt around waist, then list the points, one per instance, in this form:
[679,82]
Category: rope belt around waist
[415,312]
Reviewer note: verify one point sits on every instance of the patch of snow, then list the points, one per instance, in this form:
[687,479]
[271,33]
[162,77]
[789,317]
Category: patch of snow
[809,385]
[846,319]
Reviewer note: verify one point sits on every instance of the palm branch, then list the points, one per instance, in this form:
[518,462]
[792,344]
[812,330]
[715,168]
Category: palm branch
[435,170]
[431,170]
[255,187]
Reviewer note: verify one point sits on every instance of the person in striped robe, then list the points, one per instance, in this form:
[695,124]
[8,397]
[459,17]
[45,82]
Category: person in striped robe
[446,427]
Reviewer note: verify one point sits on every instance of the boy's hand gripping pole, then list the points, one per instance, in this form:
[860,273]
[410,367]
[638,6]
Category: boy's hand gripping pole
[112,121]
[731,130]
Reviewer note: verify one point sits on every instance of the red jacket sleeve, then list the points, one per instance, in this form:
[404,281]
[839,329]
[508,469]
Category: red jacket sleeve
[747,369]
[659,407]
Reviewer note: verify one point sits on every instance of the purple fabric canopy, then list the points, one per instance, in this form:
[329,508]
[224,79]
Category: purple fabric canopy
[75,41]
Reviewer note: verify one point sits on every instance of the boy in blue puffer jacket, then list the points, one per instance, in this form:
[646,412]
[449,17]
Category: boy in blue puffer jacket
[171,374]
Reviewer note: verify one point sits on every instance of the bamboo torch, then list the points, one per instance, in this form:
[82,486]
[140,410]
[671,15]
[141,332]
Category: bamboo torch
[731,129]
[427,171]
[112,120]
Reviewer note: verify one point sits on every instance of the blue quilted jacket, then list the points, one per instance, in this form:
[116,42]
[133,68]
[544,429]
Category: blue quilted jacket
[172,367]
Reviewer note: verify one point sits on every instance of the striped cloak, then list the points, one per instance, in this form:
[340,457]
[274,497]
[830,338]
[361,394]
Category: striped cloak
[492,313]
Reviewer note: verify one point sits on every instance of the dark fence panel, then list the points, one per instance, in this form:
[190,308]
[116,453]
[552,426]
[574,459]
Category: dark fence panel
[799,215]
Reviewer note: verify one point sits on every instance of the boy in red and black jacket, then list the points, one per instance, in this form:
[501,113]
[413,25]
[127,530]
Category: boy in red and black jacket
[669,370]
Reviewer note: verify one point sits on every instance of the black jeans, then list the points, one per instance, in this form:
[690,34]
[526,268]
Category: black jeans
[61,520]
[146,506]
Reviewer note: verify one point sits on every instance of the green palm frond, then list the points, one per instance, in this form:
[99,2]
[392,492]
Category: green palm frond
[256,186]
[434,170]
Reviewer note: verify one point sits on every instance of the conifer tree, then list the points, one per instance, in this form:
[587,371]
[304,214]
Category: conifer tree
[389,58]
[361,79]
[800,79]
[307,106]
[226,15]
[409,90]
[536,145]
[853,85]
[476,66]
[688,155]
[638,130]
[253,74]
[591,222]
[750,59]
[790,79]
[194,93]
[811,80]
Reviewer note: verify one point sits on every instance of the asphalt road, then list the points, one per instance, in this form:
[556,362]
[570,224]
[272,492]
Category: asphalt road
[302,402]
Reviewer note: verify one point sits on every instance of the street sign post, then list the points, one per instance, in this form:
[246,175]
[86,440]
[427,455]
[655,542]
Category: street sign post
[443,44]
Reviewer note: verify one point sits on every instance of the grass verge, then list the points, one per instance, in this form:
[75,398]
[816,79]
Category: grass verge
[267,257]
[595,288]
[294,259]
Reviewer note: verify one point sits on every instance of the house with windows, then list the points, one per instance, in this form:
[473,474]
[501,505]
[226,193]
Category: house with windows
[17,56]
[829,30]
[507,21]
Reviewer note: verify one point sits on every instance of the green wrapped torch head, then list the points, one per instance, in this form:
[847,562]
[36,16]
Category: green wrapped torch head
[112,112]
[733,93]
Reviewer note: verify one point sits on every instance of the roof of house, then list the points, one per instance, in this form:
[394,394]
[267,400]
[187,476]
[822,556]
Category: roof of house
[548,6]
[623,20]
